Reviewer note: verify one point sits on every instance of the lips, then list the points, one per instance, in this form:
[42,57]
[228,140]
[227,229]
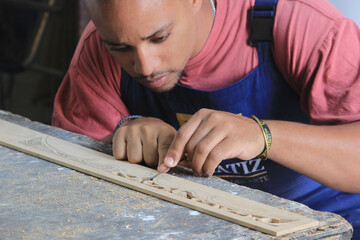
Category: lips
[157,82]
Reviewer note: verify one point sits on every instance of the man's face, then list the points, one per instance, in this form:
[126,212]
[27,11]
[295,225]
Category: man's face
[151,39]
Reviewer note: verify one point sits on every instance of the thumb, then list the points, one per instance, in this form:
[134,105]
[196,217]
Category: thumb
[177,147]
[165,161]
[174,154]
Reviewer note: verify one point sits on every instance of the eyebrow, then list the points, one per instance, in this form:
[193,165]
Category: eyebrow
[117,44]
[108,42]
[163,29]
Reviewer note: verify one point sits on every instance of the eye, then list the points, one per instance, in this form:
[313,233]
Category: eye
[120,49]
[160,39]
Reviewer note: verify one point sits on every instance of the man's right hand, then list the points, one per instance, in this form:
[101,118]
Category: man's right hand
[143,139]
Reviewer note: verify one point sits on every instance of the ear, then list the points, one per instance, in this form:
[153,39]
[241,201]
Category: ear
[196,4]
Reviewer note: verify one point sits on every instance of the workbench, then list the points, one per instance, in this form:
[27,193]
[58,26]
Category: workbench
[42,200]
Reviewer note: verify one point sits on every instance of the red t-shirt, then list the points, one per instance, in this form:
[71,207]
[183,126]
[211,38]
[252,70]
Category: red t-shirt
[316,49]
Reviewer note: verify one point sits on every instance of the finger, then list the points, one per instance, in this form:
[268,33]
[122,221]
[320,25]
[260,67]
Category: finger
[119,145]
[151,155]
[210,119]
[203,149]
[134,149]
[187,164]
[164,142]
[224,150]
[176,149]
[149,145]
[201,132]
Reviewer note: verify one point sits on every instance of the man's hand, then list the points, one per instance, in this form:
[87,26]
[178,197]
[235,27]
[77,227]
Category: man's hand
[141,139]
[212,136]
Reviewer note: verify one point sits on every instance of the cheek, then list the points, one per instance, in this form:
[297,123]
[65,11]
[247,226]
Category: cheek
[187,40]
[176,56]
[124,60]
[187,46]
[180,50]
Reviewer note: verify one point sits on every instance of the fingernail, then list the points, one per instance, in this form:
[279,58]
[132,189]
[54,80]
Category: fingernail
[169,161]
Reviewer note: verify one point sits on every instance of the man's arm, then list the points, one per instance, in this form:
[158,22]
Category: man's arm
[327,154]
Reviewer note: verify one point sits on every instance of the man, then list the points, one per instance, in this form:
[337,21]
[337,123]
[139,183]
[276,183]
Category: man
[189,63]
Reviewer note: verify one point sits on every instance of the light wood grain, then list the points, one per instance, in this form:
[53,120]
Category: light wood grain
[199,197]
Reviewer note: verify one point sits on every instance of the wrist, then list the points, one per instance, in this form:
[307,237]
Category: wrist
[266,136]
[125,119]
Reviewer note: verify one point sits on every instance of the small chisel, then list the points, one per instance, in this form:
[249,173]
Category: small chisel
[185,158]
[152,178]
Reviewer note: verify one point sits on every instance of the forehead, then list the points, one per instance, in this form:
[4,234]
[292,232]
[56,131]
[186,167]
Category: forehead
[125,18]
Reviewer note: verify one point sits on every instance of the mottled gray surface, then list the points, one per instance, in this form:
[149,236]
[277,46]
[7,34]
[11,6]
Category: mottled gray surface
[42,200]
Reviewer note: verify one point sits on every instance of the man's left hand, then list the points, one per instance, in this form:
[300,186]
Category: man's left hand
[211,136]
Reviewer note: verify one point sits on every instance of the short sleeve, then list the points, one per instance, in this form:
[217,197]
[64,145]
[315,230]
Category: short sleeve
[317,49]
[89,99]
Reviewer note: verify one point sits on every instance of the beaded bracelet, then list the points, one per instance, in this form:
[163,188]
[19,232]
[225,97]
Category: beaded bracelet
[125,119]
[267,137]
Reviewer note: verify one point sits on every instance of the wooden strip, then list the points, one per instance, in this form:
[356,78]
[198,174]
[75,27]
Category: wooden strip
[205,199]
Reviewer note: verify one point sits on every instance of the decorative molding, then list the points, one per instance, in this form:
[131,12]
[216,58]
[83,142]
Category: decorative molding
[215,202]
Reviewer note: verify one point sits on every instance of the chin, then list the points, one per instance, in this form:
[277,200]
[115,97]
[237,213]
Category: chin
[166,88]
[170,84]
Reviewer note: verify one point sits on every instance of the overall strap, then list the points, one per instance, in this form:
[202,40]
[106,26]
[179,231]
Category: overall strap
[262,16]
[262,21]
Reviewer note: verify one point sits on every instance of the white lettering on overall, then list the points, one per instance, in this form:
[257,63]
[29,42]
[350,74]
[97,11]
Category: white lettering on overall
[220,169]
[257,164]
[243,168]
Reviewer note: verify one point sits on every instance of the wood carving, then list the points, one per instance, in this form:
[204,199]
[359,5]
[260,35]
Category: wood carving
[205,199]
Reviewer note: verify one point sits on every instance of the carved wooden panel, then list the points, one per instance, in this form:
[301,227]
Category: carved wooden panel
[199,197]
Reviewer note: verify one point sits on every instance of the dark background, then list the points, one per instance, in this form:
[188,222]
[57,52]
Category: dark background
[25,90]
[28,87]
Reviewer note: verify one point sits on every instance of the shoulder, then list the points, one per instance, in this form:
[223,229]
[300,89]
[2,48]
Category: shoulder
[299,20]
[92,56]
[89,41]
[305,10]
[91,50]
[89,31]
[301,29]
[317,49]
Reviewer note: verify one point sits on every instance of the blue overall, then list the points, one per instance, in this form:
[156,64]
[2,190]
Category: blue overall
[265,94]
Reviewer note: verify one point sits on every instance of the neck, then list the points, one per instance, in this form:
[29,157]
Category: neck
[206,19]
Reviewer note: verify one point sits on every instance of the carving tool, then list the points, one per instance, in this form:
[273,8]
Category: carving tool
[185,158]
[152,178]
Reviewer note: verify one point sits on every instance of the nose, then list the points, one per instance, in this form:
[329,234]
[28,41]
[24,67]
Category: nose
[145,61]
